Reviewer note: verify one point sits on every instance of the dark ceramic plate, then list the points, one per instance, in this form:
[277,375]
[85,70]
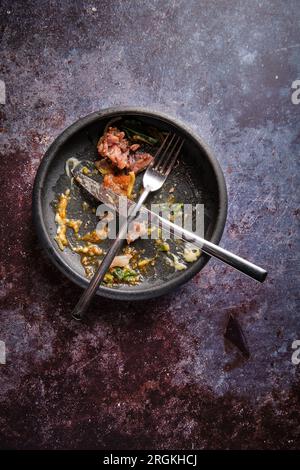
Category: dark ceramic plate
[197,178]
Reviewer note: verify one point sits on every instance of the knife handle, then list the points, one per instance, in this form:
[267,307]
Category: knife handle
[241,264]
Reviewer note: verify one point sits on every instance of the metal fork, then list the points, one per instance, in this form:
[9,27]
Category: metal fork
[154,177]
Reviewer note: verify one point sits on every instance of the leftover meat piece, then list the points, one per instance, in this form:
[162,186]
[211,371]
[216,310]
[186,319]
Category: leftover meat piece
[139,162]
[114,146]
[134,147]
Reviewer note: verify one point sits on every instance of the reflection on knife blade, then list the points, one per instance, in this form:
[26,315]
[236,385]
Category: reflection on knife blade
[153,219]
[96,189]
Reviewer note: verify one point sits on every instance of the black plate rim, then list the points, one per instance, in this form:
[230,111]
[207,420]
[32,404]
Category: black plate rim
[44,237]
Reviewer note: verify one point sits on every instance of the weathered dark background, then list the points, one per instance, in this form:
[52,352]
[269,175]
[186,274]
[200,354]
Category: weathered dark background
[154,374]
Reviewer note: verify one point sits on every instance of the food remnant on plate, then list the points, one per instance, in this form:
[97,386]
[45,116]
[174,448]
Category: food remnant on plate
[114,146]
[162,245]
[71,163]
[139,162]
[122,154]
[74,224]
[96,236]
[121,275]
[136,131]
[121,261]
[63,222]
[136,230]
[145,262]
[120,184]
[191,253]
[85,170]
[175,263]
[90,250]
[104,167]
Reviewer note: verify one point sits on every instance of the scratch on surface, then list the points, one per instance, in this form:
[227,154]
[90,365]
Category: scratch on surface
[82,366]
[248,217]
[161,83]
[286,48]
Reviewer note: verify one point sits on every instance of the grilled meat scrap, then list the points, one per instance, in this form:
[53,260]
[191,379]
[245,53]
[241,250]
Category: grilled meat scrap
[139,162]
[114,146]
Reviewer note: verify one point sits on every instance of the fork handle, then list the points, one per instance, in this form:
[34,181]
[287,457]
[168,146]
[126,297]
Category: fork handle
[86,298]
[241,264]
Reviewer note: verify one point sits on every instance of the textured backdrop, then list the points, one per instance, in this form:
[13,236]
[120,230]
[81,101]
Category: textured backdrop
[154,374]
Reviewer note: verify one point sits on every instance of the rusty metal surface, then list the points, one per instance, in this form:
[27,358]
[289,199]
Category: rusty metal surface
[154,374]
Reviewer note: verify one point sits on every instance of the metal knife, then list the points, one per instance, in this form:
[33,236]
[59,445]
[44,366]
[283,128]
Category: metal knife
[110,199]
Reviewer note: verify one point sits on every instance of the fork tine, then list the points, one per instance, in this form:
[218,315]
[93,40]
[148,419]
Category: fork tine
[159,157]
[172,157]
[157,154]
[169,155]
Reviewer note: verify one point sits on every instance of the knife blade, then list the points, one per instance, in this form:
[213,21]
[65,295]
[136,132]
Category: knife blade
[98,190]
[112,201]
